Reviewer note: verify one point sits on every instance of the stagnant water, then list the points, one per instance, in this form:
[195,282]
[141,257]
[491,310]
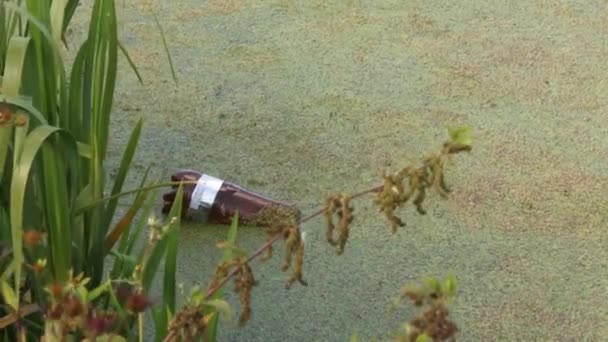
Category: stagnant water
[297,99]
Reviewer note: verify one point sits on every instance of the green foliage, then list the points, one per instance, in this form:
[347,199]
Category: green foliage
[55,220]
[460,135]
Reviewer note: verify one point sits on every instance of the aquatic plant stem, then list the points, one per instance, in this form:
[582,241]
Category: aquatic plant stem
[276,237]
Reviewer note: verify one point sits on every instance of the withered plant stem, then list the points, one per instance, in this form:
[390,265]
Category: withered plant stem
[276,237]
[322,210]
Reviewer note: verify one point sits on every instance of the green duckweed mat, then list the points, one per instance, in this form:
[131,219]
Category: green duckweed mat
[297,99]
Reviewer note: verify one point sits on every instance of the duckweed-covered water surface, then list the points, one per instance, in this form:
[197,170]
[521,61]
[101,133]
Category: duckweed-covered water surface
[300,99]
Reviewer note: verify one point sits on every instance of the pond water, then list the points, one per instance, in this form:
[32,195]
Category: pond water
[297,99]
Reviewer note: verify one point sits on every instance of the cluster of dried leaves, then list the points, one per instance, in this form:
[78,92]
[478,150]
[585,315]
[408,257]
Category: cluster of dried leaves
[281,223]
[70,311]
[338,205]
[413,182]
[432,323]
[188,324]
[244,280]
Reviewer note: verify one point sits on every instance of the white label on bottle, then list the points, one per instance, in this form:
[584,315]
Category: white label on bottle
[205,192]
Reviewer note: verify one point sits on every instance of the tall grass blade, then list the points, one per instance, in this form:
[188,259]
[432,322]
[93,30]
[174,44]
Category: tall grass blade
[166,46]
[4,34]
[123,225]
[127,242]
[171,258]
[163,314]
[130,61]
[77,120]
[44,83]
[60,255]
[11,85]
[57,14]
[153,262]
[70,8]
[101,66]
[6,130]
[13,69]
[121,176]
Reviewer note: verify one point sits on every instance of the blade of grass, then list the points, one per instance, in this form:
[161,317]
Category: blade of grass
[130,61]
[161,319]
[158,251]
[45,82]
[163,314]
[4,34]
[70,8]
[127,241]
[57,18]
[76,119]
[166,46]
[11,85]
[171,258]
[104,43]
[47,59]
[20,134]
[123,225]
[60,256]
[13,68]
[6,131]
[125,164]
[101,65]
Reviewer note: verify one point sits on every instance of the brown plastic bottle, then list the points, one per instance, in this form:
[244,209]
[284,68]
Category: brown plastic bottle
[215,200]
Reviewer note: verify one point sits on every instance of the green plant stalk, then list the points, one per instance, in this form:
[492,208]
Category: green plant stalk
[171,254]
[162,35]
[211,331]
[163,314]
[123,169]
[11,84]
[6,131]
[102,66]
[57,13]
[81,209]
[49,75]
[34,142]
[3,33]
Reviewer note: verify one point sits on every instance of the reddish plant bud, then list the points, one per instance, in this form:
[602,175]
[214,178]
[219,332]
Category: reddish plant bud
[99,322]
[32,238]
[123,291]
[138,302]
[56,291]
[5,113]
[55,312]
[73,307]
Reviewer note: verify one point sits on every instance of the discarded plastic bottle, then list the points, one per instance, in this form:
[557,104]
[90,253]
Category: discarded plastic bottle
[215,201]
